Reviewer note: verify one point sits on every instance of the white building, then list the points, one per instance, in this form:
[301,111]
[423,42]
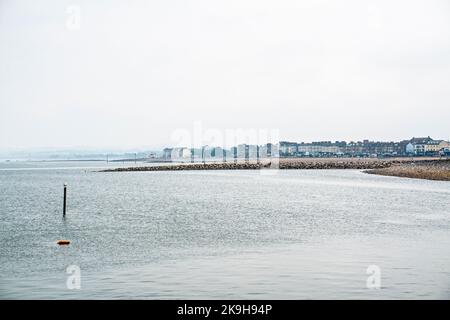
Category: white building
[206,153]
[409,148]
[422,146]
[181,154]
[217,154]
[242,151]
[252,152]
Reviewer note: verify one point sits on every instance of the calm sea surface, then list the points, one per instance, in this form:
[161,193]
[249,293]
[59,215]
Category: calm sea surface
[295,234]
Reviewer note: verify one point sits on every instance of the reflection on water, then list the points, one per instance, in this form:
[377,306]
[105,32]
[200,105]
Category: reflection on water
[222,234]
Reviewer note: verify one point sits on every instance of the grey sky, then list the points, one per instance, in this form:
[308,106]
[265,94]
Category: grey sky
[136,71]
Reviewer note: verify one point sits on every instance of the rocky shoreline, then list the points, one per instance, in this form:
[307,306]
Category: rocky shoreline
[430,170]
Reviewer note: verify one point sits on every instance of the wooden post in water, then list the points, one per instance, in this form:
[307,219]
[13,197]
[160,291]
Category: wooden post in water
[65,197]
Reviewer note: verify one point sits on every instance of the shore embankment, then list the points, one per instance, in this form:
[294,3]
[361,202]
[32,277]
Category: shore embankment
[422,169]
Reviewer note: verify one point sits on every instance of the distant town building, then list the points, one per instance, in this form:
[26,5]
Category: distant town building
[217,154]
[273,150]
[167,153]
[409,148]
[419,145]
[229,155]
[253,151]
[242,151]
[288,149]
[265,150]
[206,153]
[234,153]
[400,147]
[178,154]
[426,146]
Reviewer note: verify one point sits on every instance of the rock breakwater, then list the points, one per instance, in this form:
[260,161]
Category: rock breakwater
[281,164]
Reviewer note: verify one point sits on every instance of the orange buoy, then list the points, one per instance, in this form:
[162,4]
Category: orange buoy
[63,242]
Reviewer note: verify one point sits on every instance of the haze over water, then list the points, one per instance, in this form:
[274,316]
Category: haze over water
[221,234]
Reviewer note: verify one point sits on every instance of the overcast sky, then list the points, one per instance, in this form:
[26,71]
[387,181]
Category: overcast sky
[136,71]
